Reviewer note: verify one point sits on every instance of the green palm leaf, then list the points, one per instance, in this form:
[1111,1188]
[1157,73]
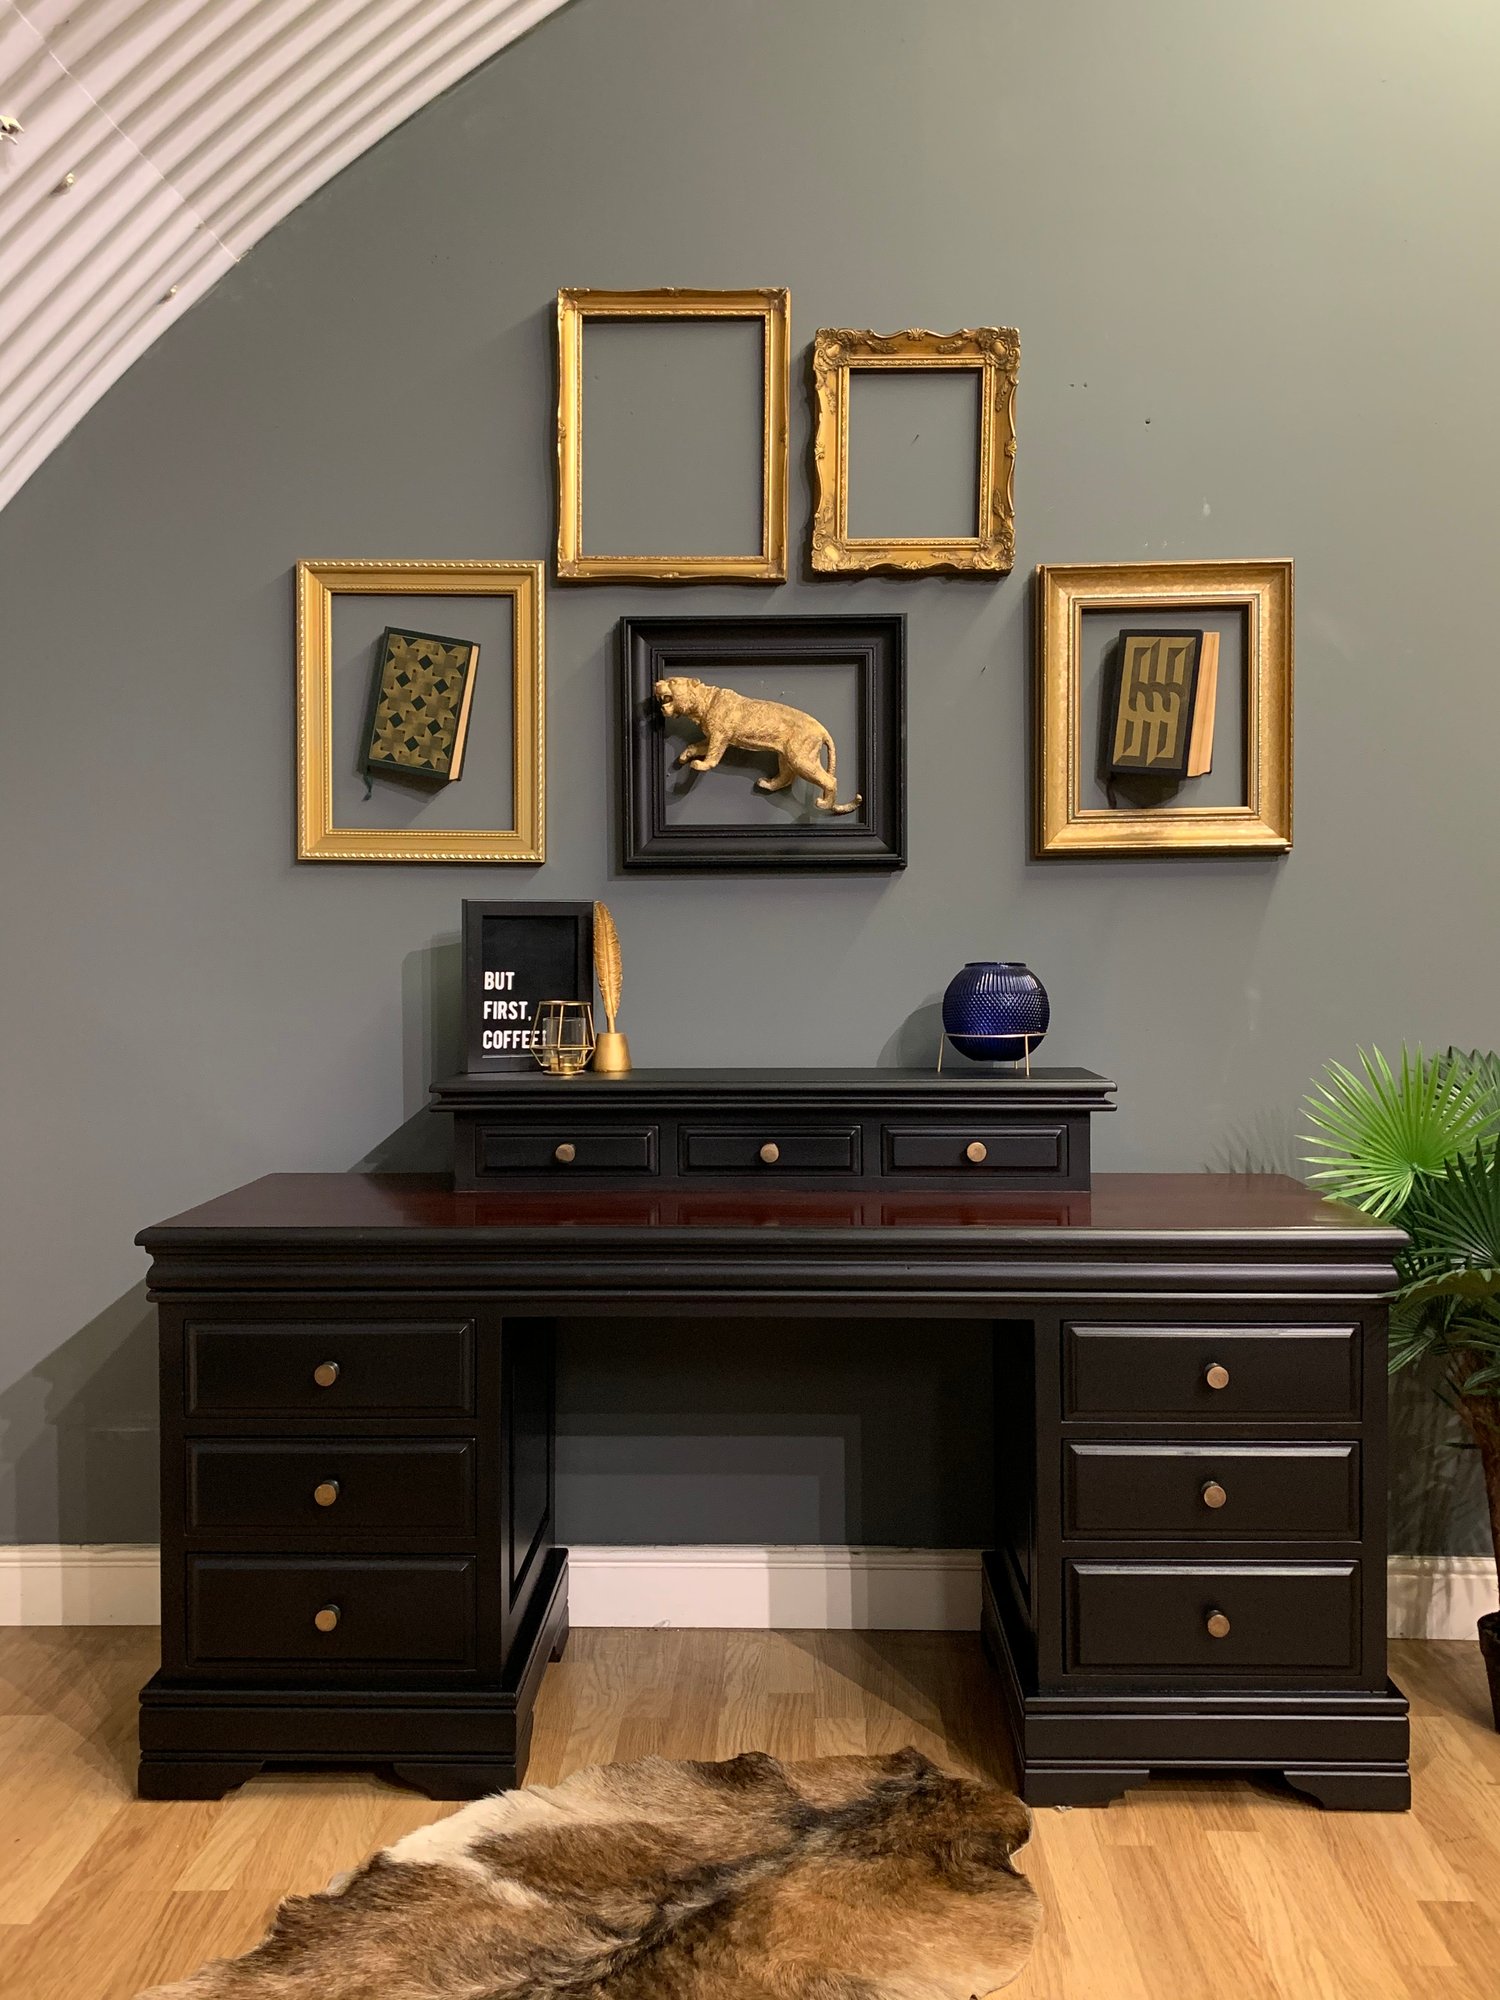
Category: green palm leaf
[1381,1134]
[1454,1224]
[1479,1066]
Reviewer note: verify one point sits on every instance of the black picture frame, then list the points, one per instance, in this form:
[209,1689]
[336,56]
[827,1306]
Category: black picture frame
[871,644]
[547,949]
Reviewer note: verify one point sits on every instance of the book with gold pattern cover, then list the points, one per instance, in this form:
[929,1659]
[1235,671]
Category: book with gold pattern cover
[419,713]
[1161,715]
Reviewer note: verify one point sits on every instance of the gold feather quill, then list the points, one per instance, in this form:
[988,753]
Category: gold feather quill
[608,969]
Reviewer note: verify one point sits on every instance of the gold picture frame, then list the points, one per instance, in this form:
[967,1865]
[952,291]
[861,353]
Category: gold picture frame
[1262,592]
[995,351]
[772,305]
[318,584]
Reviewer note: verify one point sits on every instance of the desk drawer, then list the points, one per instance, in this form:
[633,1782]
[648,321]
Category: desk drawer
[410,1486]
[1161,1618]
[768,1149]
[1308,1491]
[977,1149]
[564,1148]
[1211,1372]
[383,1611]
[327,1367]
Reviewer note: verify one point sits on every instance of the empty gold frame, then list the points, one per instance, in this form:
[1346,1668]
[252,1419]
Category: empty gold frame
[1064,735]
[772,306]
[318,584]
[995,352]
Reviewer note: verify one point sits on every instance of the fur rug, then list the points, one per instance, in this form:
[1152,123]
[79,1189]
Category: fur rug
[850,1878]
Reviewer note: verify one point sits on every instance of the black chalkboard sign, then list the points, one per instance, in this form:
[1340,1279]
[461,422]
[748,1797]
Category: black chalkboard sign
[515,956]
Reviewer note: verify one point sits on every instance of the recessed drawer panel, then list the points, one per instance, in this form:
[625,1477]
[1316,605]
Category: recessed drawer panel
[1232,1618]
[566,1148]
[323,1368]
[1211,1371]
[411,1486]
[316,1613]
[976,1149]
[769,1149]
[1311,1491]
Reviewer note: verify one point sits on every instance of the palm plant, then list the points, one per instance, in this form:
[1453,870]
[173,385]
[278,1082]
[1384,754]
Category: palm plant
[1420,1146]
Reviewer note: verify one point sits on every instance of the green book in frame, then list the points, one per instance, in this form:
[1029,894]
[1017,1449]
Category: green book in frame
[419,714]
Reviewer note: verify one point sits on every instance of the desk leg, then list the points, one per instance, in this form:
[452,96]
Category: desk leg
[458,1781]
[1354,1787]
[188,1778]
[1079,1784]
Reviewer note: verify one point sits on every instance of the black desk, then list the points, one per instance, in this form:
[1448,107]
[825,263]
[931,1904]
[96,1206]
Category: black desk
[358,1560]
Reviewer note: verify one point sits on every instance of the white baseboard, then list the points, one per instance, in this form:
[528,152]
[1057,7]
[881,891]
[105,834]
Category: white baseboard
[734,1587]
[67,1583]
[798,1588]
[1439,1597]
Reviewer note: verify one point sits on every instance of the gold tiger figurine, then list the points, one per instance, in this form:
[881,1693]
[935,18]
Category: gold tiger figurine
[732,721]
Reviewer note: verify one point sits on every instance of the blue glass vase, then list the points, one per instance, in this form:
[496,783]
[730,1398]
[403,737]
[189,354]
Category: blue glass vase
[993,1008]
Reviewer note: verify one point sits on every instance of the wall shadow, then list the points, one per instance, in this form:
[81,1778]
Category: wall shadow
[915,1044]
[431,1046]
[78,1433]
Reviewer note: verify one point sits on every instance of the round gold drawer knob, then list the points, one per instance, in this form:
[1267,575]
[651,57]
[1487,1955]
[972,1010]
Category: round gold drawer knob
[565,1154]
[1216,1375]
[327,1619]
[770,1152]
[1213,1493]
[1218,1625]
[326,1374]
[977,1152]
[326,1492]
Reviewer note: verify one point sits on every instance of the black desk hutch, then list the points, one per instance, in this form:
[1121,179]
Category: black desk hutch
[358,1557]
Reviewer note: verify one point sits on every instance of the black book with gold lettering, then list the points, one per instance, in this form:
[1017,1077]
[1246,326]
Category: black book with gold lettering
[419,711]
[1161,714]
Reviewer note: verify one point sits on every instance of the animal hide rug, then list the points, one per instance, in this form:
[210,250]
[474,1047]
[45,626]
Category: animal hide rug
[848,1878]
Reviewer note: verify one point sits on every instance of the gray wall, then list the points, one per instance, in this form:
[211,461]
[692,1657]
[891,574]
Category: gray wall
[1251,254]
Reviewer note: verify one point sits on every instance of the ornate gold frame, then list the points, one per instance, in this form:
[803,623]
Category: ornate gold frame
[996,352]
[773,306]
[1263,590]
[318,583]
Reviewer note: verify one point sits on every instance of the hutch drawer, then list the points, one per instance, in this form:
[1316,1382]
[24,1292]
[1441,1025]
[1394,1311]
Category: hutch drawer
[1224,1490]
[1211,1372]
[312,1612]
[325,1368]
[330,1487]
[769,1147]
[866,1128]
[976,1148]
[1216,1619]
[565,1147]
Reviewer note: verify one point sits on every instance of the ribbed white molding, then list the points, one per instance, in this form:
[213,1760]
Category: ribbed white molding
[1439,1597]
[190,127]
[800,1589]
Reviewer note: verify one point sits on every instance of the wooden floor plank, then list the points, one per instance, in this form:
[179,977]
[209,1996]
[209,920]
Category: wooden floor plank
[1191,1889]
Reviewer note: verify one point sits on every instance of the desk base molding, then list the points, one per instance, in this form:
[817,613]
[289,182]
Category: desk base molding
[1343,1749]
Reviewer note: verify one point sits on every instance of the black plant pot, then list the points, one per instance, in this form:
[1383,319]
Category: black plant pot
[1489,1646]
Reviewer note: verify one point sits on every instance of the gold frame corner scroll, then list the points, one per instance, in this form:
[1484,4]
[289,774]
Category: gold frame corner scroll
[1262,591]
[318,584]
[772,305]
[995,352]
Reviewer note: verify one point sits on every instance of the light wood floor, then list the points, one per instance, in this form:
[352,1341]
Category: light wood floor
[1187,1891]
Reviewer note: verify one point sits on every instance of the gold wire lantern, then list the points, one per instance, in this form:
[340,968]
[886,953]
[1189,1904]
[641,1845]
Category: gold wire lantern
[564,1037]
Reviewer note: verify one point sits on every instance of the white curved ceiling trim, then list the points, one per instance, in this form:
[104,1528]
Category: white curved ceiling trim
[189,127]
